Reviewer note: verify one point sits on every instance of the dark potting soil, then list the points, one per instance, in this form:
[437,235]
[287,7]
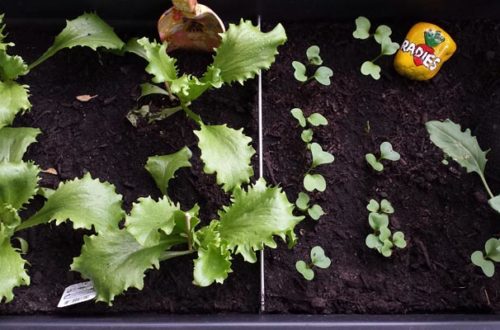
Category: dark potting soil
[96,137]
[442,210]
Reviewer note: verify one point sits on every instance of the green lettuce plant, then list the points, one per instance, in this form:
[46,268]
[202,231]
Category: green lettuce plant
[382,239]
[382,36]
[116,257]
[244,51]
[322,74]
[19,180]
[386,153]
[318,260]
[464,149]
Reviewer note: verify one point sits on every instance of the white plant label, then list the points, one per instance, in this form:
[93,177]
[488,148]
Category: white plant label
[77,293]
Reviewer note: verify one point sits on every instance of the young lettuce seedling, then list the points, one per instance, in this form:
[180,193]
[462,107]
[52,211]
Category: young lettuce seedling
[244,51]
[386,153]
[382,36]
[312,181]
[80,200]
[382,239]
[485,260]
[318,259]
[464,149]
[322,74]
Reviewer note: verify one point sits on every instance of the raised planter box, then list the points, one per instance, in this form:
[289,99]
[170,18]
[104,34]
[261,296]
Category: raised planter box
[441,209]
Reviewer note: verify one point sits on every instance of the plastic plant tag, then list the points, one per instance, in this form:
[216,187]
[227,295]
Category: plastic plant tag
[423,52]
[77,293]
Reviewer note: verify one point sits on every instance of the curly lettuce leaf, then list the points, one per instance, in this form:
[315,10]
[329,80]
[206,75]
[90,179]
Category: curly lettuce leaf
[212,265]
[86,202]
[254,217]
[163,168]
[245,50]
[15,141]
[11,67]
[149,217]
[114,261]
[18,184]
[14,98]
[226,152]
[12,271]
[87,30]
[160,65]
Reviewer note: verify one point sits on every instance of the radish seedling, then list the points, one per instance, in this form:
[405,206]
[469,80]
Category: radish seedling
[318,259]
[485,260]
[382,239]
[322,74]
[386,153]
[382,36]
[312,181]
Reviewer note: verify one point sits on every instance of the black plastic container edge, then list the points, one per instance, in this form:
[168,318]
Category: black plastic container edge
[350,322]
[53,12]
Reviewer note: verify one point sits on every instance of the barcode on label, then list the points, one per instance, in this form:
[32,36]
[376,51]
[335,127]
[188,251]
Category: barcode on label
[77,293]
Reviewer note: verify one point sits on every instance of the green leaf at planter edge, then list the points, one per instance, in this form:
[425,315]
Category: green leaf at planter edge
[320,157]
[254,217]
[245,50]
[18,184]
[314,182]
[86,202]
[114,261]
[227,153]
[212,265]
[492,249]
[15,141]
[495,203]
[369,68]
[148,217]
[163,168]
[12,271]
[13,100]
[87,30]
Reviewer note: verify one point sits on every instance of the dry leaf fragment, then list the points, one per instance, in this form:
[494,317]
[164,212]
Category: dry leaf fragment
[51,170]
[85,98]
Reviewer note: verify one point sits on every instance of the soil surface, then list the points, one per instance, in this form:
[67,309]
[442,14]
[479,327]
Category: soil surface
[442,210]
[96,137]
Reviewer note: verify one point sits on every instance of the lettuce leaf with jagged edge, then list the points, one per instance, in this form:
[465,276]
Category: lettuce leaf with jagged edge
[87,30]
[117,259]
[226,152]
